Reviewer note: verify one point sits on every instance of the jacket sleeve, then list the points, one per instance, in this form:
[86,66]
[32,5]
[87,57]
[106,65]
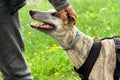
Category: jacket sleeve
[15,5]
[59,4]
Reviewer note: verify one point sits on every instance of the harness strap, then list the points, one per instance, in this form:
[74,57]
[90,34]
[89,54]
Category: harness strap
[86,68]
[117,69]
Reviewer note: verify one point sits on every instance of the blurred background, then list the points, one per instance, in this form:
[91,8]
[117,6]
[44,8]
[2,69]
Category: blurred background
[96,18]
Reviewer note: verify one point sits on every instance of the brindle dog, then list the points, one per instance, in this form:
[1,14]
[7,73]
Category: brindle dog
[64,34]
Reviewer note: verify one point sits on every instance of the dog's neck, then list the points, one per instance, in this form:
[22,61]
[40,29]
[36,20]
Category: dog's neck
[80,50]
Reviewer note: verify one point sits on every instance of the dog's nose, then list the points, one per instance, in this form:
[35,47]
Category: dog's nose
[31,12]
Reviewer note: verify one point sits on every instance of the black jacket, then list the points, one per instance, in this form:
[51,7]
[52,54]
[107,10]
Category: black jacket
[15,5]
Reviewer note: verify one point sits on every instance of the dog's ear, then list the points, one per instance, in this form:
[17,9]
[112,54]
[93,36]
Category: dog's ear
[71,20]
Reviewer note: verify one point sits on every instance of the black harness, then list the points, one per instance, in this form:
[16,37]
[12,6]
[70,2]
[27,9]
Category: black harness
[117,70]
[86,68]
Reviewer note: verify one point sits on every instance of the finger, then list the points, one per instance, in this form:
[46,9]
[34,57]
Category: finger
[71,12]
[73,20]
[63,16]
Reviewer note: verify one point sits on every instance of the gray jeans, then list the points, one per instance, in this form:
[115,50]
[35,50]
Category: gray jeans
[12,63]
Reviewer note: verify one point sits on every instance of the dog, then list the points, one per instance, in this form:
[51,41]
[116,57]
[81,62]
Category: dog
[52,25]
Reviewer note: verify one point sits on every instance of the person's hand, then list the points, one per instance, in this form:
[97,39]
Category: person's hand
[65,12]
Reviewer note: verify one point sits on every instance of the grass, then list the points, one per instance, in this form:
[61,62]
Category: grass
[96,18]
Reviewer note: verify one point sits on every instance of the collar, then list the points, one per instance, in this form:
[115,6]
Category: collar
[68,47]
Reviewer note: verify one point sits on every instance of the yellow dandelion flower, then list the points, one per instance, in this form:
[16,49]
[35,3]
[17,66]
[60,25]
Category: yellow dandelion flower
[27,57]
[42,52]
[30,64]
[50,50]
[53,48]
[29,33]
[94,37]
[88,14]
[35,53]
[91,14]
[56,74]
[78,16]
[43,59]
[112,9]
[54,45]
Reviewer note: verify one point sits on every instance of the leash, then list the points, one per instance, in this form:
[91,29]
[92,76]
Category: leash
[73,42]
[86,68]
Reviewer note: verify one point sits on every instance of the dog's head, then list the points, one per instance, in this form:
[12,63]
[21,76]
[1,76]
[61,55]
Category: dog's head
[51,22]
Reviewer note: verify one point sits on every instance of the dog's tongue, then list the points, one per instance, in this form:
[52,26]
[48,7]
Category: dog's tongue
[42,26]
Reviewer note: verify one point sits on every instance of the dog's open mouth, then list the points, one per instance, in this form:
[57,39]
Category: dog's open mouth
[44,26]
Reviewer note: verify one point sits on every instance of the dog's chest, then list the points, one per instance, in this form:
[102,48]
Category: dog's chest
[105,64]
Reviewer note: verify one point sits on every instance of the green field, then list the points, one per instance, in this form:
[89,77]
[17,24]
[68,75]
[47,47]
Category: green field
[46,59]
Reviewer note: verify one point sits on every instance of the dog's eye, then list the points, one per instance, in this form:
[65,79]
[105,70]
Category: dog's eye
[55,14]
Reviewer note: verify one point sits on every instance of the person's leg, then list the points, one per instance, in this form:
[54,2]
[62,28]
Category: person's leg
[12,62]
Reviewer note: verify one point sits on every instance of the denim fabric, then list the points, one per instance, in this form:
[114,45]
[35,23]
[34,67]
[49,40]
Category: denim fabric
[3,3]
[12,62]
[15,5]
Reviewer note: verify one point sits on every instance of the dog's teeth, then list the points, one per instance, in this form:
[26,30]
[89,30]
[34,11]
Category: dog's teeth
[42,26]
